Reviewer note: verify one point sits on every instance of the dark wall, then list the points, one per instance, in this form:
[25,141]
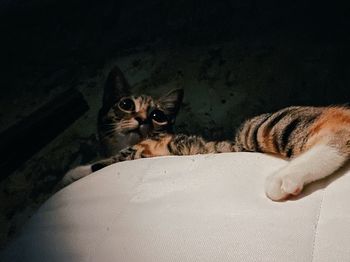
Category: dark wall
[51,43]
[45,36]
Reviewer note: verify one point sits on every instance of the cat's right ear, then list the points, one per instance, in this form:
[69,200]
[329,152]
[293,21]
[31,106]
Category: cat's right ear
[116,87]
[171,102]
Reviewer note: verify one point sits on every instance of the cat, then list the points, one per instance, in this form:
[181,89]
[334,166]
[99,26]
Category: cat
[126,119]
[316,140]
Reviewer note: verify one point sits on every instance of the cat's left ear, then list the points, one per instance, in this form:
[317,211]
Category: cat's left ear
[170,103]
[116,87]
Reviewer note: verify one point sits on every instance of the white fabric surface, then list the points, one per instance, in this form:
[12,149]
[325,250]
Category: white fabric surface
[195,208]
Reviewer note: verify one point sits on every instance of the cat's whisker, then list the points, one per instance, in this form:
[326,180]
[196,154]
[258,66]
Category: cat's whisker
[128,124]
[111,131]
[112,124]
[111,128]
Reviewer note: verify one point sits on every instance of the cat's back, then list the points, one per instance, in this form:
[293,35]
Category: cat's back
[276,132]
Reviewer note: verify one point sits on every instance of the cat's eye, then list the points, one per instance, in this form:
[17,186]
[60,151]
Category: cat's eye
[159,116]
[127,104]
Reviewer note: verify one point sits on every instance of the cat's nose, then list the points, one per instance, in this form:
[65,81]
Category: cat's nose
[144,130]
[141,116]
[140,120]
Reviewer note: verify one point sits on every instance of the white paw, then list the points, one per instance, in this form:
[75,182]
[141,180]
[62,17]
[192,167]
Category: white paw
[279,187]
[75,174]
[292,184]
[273,188]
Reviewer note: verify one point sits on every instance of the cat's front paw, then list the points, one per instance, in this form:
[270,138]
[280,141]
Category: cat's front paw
[279,186]
[292,185]
[75,174]
[273,188]
[127,153]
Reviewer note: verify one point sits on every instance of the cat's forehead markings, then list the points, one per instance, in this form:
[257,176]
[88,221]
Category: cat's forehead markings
[139,103]
[142,103]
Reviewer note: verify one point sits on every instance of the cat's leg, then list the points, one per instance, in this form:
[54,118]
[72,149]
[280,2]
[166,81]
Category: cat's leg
[316,163]
[151,147]
[123,155]
[82,171]
[75,174]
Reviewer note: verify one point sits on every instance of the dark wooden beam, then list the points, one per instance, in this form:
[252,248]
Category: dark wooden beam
[21,141]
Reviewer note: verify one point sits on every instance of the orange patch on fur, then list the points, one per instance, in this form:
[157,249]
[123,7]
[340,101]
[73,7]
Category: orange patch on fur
[333,119]
[153,147]
[266,141]
[142,114]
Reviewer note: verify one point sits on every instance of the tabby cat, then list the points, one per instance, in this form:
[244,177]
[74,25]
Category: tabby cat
[125,119]
[315,139]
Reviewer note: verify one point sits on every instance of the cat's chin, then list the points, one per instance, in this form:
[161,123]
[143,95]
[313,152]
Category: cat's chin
[144,130]
[133,137]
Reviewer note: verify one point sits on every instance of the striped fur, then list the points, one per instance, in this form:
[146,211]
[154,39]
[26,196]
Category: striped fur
[316,139]
[283,133]
[287,133]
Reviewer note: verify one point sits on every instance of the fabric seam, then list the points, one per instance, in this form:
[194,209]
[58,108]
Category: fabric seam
[316,226]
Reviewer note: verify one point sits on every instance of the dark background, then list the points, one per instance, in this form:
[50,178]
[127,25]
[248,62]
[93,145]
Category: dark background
[235,59]
[63,38]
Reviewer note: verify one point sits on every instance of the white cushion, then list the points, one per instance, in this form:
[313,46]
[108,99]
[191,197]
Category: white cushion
[194,208]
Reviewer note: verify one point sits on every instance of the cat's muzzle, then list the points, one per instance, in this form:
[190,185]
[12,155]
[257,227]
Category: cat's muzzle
[144,130]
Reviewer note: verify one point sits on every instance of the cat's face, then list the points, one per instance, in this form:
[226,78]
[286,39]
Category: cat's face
[146,115]
[125,118]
